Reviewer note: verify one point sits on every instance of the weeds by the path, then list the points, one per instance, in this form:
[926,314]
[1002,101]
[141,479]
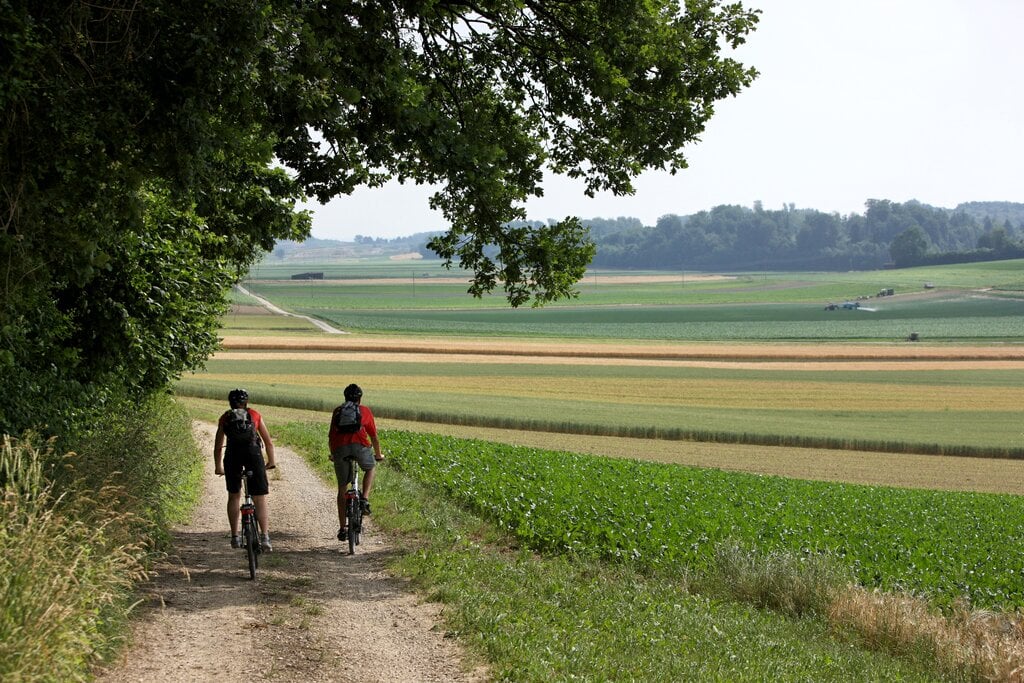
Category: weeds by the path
[76,534]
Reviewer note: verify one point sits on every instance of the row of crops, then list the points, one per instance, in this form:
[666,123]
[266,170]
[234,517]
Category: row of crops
[942,545]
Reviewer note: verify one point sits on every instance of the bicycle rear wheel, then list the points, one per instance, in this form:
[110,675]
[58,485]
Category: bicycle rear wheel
[355,521]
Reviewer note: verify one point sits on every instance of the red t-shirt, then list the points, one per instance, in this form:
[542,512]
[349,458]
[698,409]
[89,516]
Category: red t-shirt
[368,428]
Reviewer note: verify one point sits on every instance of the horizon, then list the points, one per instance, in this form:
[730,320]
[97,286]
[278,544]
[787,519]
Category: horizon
[645,225]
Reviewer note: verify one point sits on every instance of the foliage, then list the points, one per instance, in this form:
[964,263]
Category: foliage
[657,516]
[132,198]
[909,247]
[139,144]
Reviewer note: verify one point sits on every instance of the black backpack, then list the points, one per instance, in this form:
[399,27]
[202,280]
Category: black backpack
[348,419]
[239,429]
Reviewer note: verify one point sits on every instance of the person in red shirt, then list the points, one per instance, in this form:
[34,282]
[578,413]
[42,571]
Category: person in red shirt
[229,466]
[363,445]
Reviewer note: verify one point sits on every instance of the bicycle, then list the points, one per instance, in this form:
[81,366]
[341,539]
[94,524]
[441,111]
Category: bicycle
[353,505]
[251,531]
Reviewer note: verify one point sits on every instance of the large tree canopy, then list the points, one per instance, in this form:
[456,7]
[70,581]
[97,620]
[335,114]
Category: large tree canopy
[142,145]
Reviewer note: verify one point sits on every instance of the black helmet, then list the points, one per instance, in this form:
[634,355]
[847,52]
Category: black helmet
[353,392]
[236,397]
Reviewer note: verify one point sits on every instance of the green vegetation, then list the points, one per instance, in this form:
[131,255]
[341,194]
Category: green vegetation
[906,234]
[77,532]
[541,617]
[130,207]
[656,516]
[749,307]
[986,320]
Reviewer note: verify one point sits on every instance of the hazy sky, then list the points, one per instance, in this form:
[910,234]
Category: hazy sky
[857,99]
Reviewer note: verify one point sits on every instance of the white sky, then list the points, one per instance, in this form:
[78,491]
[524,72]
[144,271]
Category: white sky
[857,100]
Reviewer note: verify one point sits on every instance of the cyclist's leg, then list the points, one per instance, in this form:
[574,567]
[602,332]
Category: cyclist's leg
[262,512]
[259,487]
[234,504]
[369,466]
[233,483]
[342,522]
[368,482]
[342,473]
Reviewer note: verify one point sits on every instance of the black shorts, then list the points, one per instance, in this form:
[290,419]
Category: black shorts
[258,484]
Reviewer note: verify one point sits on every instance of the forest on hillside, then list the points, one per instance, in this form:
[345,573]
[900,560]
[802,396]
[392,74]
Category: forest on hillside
[739,238]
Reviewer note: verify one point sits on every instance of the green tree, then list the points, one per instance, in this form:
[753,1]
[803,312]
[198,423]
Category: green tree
[909,247]
[148,133]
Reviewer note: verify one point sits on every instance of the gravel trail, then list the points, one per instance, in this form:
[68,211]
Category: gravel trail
[314,613]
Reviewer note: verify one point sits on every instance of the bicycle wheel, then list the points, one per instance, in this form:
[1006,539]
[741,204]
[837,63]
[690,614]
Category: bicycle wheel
[354,523]
[249,536]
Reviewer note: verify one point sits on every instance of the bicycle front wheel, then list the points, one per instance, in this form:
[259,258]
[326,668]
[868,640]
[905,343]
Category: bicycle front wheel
[250,549]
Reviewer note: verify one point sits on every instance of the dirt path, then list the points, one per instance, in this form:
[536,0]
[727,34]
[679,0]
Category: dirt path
[313,613]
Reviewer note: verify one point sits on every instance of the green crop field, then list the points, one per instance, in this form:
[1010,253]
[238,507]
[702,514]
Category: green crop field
[951,320]
[942,545]
[966,412]
[841,391]
[977,302]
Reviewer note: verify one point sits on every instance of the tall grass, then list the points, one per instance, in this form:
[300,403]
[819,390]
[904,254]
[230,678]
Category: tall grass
[78,531]
[65,562]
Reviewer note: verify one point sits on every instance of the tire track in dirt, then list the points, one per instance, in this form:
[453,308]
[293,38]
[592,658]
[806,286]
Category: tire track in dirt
[314,613]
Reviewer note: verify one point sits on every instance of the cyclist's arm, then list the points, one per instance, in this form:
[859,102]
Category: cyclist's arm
[218,452]
[265,435]
[377,455]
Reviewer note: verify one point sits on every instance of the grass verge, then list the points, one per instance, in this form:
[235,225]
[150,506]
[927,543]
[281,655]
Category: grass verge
[78,530]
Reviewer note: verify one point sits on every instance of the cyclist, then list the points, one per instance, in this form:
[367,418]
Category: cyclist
[244,450]
[363,444]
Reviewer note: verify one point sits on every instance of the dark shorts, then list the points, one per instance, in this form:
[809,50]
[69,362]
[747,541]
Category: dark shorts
[362,454]
[258,484]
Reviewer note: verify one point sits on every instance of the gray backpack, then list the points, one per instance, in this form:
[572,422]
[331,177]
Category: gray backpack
[348,419]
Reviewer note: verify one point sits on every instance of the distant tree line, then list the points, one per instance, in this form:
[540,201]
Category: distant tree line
[732,237]
[739,238]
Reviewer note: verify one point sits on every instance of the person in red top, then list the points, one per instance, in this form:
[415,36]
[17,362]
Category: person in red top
[229,466]
[363,445]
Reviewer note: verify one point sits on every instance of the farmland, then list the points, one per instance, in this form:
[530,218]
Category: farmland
[732,410]
[629,368]
[942,304]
